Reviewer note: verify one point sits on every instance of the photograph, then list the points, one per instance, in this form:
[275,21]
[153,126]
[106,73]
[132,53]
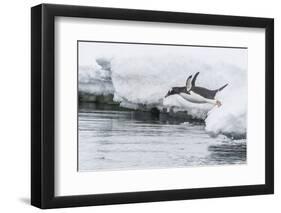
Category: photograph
[159,106]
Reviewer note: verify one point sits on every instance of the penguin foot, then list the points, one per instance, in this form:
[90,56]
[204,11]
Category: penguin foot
[218,103]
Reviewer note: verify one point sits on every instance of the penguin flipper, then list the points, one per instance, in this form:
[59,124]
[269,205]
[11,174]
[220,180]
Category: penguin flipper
[188,83]
[194,79]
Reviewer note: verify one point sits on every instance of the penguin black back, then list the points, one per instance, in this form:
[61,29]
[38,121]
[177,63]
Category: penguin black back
[206,93]
[190,86]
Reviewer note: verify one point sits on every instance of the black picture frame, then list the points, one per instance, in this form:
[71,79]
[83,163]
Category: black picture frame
[43,102]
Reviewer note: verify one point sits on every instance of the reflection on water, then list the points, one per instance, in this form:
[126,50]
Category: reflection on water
[114,139]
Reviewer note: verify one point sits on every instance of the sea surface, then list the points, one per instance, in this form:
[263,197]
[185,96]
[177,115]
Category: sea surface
[112,138]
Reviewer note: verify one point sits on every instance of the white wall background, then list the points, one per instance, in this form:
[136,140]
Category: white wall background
[15,105]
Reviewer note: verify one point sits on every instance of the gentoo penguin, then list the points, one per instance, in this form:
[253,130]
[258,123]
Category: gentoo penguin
[196,94]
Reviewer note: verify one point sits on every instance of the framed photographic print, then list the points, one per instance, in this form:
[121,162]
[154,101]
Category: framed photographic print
[139,106]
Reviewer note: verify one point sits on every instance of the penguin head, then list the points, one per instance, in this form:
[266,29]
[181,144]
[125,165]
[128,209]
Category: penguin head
[172,91]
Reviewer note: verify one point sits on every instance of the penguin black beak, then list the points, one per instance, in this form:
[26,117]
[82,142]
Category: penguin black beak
[168,94]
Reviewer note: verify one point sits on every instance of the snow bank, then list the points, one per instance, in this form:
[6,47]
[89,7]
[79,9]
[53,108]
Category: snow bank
[96,78]
[144,77]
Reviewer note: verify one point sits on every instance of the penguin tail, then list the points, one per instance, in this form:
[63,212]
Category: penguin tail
[220,89]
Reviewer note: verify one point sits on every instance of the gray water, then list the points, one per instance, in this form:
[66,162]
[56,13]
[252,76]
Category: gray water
[114,139]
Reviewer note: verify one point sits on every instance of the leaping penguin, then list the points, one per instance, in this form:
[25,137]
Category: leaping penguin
[196,94]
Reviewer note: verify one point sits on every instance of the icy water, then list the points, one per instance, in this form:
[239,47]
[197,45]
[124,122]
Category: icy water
[114,139]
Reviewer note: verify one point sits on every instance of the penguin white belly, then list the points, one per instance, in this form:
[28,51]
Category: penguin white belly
[195,98]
